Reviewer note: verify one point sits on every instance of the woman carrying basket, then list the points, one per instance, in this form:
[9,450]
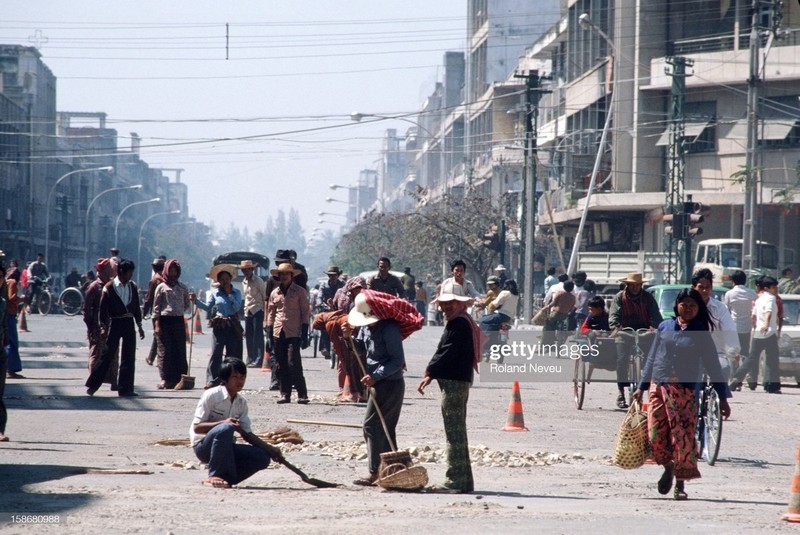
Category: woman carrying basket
[452,366]
[682,349]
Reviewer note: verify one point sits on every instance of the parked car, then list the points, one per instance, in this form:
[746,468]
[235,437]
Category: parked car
[790,337]
[665,295]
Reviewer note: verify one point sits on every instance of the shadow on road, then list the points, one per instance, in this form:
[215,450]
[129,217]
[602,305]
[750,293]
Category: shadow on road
[17,498]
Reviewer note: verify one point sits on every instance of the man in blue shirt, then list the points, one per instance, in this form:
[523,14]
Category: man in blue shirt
[224,302]
[384,366]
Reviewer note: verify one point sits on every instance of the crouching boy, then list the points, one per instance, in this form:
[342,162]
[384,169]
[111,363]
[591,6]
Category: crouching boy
[221,411]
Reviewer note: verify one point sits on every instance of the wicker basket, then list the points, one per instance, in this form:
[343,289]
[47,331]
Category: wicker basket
[400,477]
[398,473]
[630,450]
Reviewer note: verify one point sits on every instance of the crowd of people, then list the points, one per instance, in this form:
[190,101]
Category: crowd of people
[363,322]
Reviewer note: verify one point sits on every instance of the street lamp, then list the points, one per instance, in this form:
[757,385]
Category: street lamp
[108,168]
[331,199]
[139,243]
[356,116]
[86,225]
[331,213]
[116,225]
[586,24]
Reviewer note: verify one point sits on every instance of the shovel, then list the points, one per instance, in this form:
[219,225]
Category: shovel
[187,381]
[270,449]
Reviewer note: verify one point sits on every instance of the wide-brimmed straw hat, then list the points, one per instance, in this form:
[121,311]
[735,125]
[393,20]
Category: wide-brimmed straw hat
[634,278]
[230,269]
[500,267]
[361,314]
[286,267]
[247,264]
[452,291]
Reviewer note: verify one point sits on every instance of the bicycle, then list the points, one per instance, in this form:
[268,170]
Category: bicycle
[708,431]
[71,301]
[43,300]
[636,362]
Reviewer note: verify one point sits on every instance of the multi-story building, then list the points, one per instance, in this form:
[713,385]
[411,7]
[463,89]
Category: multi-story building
[627,62]
[64,183]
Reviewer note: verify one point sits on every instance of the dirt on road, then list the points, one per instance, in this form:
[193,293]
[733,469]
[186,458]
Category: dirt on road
[555,478]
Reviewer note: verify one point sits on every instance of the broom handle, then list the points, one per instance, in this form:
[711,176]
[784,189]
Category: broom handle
[372,394]
[191,337]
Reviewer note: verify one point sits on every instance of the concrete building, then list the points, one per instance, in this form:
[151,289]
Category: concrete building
[631,194]
[58,160]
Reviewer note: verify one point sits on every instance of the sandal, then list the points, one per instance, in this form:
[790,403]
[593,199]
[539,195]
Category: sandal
[216,482]
[665,483]
[442,489]
[679,493]
[368,481]
[621,403]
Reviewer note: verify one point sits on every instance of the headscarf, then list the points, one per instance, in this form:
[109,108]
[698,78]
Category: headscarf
[386,306]
[167,265]
[105,269]
[342,299]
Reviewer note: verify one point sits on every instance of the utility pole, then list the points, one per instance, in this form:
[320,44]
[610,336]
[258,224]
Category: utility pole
[677,166]
[751,173]
[533,93]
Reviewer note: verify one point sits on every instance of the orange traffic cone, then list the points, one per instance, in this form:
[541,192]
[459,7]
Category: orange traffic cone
[793,512]
[186,330]
[198,324]
[22,326]
[515,421]
[265,363]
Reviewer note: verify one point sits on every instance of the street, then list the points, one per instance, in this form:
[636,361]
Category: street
[555,478]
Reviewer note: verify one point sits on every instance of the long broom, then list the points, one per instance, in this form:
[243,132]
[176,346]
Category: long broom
[187,381]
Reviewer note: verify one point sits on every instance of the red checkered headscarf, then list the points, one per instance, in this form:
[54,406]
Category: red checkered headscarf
[385,306]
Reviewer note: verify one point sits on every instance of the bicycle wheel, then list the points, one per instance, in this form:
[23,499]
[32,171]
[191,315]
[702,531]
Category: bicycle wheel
[634,373]
[712,426]
[71,301]
[45,302]
[579,383]
[700,426]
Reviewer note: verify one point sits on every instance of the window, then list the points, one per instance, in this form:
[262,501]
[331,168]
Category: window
[699,133]
[779,125]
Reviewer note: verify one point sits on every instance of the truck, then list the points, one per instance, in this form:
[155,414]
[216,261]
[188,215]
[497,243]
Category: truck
[722,256]
[607,268]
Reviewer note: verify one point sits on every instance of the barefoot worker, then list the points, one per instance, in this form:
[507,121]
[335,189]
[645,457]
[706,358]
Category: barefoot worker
[221,411]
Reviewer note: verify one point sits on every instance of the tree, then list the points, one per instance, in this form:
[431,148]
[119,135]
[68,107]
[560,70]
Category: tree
[425,239]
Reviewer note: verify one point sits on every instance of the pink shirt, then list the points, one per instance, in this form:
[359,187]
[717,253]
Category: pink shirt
[287,312]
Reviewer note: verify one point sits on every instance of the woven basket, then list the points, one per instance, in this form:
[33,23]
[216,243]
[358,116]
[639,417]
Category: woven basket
[630,450]
[401,477]
[398,473]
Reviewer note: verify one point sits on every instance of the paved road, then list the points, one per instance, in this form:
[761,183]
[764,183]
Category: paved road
[555,478]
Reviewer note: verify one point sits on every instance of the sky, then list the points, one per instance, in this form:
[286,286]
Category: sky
[251,98]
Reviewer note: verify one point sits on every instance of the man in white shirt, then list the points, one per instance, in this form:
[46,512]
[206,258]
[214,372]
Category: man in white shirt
[221,411]
[739,301]
[765,337]
[724,333]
